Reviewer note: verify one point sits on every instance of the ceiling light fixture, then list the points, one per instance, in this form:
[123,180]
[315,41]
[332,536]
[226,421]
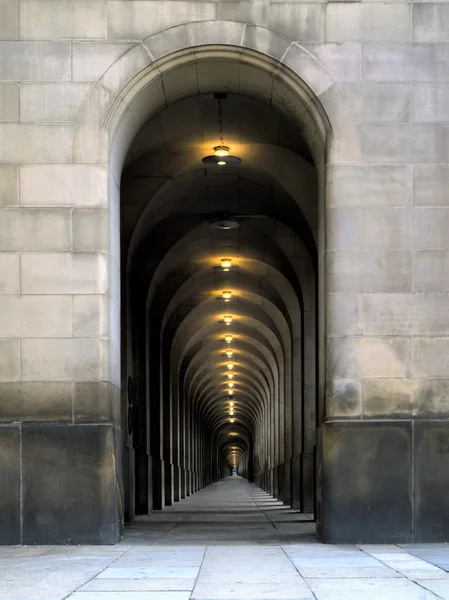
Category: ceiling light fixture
[221,155]
[229,353]
[230,375]
[230,366]
[227,319]
[221,151]
[228,339]
[227,296]
[230,384]
[231,404]
[226,263]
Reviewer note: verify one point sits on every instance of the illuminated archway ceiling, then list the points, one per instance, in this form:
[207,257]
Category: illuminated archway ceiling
[172,254]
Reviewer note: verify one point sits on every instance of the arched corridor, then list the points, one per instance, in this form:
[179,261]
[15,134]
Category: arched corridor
[219,295]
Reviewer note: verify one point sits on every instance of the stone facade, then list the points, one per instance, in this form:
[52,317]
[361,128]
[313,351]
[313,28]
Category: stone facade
[368,83]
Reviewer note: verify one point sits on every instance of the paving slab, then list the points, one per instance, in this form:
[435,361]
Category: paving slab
[130,596]
[440,588]
[368,589]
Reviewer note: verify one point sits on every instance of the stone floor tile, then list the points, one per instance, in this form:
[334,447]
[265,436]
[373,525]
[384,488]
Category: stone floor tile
[440,588]
[130,596]
[148,572]
[348,573]
[135,585]
[368,589]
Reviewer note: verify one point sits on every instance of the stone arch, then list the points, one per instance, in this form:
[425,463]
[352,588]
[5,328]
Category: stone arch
[110,104]
[277,71]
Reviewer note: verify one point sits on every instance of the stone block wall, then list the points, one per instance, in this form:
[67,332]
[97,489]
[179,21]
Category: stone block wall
[381,72]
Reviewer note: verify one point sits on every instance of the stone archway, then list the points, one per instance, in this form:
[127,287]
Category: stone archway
[160,70]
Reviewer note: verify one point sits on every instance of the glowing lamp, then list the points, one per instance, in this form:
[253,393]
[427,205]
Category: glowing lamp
[227,296]
[226,264]
[221,151]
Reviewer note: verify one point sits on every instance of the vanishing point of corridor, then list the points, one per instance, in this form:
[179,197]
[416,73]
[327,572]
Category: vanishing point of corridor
[230,541]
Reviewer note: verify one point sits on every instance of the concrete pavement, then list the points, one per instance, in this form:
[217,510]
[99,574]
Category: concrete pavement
[231,541]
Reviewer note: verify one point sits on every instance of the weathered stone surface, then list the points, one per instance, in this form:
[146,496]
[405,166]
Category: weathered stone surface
[138,20]
[430,184]
[405,62]
[9,360]
[430,103]
[361,185]
[68,359]
[9,20]
[343,314]
[9,102]
[430,22]
[9,185]
[66,19]
[35,229]
[387,271]
[96,401]
[63,273]
[91,229]
[404,143]
[371,494]
[91,60]
[90,315]
[430,356]
[381,102]
[370,22]
[9,273]
[344,228]
[344,398]
[10,524]
[63,185]
[388,398]
[52,102]
[430,228]
[61,515]
[405,314]
[342,60]
[35,61]
[431,271]
[36,143]
[388,228]
[301,22]
[36,401]
[431,480]
[18,316]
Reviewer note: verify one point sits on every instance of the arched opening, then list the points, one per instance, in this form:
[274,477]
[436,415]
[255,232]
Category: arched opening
[193,413]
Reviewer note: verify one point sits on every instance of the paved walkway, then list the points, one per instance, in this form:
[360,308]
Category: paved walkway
[230,541]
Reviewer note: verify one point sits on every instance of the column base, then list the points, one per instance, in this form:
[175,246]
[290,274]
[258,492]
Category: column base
[384,482]
[59,484]
[168,484]
[158,486]
[308,481]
